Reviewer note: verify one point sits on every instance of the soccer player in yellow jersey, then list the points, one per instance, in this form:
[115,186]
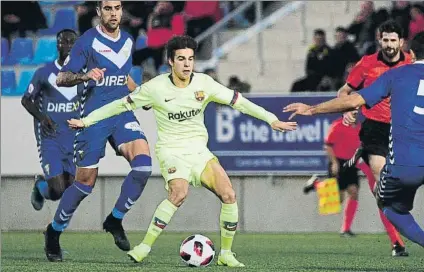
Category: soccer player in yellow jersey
[178,100]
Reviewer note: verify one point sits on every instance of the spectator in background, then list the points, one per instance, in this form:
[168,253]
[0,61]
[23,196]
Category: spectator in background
[344,52]
[234,83]
[317,64]
[146,76]
[400,14]
[135,16]
[212,73]
[200,15]
[162,24]
[366,10]
[86,12]
[21,17]
[416,24]
[371,47]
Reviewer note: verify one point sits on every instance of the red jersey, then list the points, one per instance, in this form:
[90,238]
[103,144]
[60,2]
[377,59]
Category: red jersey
[365,72]
[343,139]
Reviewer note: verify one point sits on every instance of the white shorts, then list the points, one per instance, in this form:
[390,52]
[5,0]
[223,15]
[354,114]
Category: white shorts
[177,163]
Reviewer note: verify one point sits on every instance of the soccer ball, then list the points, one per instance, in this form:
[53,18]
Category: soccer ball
[197,250]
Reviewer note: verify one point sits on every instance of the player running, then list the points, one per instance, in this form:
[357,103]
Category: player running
[51,106]
[105,51]
[179,99]
[374,134]
[403,172]
[341,142]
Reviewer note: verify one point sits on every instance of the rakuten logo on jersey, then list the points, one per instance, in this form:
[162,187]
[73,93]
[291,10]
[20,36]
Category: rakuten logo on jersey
[183,115]
[62,107]
[113,81]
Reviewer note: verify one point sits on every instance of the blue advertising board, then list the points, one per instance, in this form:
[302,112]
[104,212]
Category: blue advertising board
[248,146]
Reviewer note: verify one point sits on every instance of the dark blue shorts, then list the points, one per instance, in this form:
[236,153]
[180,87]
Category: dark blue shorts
[90,143]
[398,185]
[56,155]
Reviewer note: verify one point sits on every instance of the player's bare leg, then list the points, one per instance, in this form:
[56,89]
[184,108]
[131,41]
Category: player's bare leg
[351,206]
[177,193]
[215,179]
[71,198]
[398,246]
[137,154]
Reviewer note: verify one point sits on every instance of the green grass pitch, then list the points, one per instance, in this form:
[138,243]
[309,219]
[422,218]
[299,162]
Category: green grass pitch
[95,251]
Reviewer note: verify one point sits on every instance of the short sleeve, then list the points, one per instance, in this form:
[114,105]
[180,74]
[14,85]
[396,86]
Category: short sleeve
[35,86]
[78,57]
[357,75]
[380,89]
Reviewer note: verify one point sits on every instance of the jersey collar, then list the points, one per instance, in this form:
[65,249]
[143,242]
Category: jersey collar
[57,65]
[172,81]
[107,36]
[390,64]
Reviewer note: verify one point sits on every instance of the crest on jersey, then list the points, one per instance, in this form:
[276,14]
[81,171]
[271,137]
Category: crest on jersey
[199,95]
[172,170]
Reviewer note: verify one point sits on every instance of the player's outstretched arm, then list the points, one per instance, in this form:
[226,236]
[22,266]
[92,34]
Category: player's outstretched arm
[339,104]
[247,107]
[137,99]
[69,79]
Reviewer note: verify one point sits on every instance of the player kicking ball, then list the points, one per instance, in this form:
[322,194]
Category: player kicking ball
[403,172]
[178,100]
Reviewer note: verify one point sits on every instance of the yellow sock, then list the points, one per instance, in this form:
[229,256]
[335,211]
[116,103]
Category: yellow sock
[228,221]
[160,220]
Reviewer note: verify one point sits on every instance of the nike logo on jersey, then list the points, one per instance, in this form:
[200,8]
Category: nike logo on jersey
[68,92]
[167,100]
[120,58]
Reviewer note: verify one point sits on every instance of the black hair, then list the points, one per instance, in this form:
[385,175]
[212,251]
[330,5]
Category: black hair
[417,45]
[99,4]
[179,42]
[64,31]
[319,31]
[390,26]
[341,29]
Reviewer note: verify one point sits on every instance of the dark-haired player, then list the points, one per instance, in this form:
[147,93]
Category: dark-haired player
[178,100]
[374,134]
[105,51]
[51,106]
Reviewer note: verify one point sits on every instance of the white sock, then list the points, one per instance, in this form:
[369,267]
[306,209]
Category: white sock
[223,251]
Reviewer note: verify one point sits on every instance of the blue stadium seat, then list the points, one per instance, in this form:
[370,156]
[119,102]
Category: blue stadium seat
[48,14]
[45,51]
[4,49]
[141,42]
[21,51]
[164,68]
[136,74]
[24,80]
[64,18]
[8,82]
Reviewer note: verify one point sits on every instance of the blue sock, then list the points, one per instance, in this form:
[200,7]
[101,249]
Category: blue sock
[133,185]
[70,201]
[406,225]
[43,188]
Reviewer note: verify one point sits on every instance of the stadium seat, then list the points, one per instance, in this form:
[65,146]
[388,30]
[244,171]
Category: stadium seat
[24,80]
[136,74]
[21,51]
[164,68]
[141,42]
[4,49]
[45,51]
[64,18]
[8,82]
[48,14]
